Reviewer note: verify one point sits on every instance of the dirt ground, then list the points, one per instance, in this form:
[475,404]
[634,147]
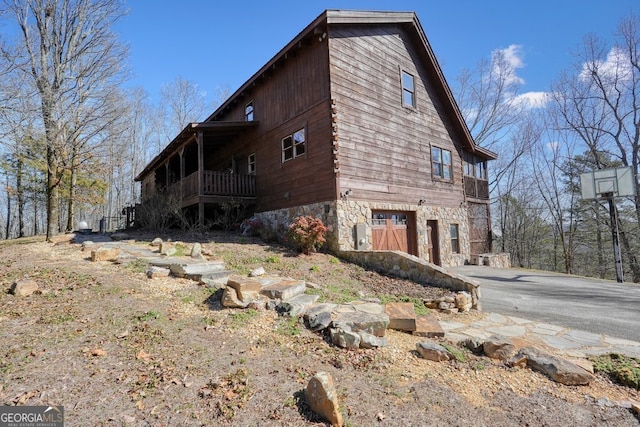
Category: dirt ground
[118,349]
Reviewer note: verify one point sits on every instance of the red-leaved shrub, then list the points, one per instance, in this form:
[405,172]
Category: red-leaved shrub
[307,233]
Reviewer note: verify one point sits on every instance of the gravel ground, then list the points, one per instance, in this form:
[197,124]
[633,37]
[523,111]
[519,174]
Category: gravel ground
[115,348]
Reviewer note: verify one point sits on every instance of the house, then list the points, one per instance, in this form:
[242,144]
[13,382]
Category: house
[352,122]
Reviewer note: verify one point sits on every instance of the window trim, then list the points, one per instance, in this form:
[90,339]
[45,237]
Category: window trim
[249,112]
[405,90]
[295,146]
[251,164]
[440,162]
[455,240]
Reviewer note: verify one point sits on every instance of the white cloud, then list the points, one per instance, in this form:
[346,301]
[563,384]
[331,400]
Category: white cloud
[532,99]
[617,66]
[506,63]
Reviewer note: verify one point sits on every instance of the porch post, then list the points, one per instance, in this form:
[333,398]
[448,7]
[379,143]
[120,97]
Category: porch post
[200,141]
[181,154]
[166,175]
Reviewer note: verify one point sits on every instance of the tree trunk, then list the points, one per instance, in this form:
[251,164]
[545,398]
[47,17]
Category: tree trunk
[52,194]
[20,196]
[8,225]
[72,193]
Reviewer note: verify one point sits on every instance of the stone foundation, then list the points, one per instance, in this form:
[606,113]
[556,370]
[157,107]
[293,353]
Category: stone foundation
[501,260]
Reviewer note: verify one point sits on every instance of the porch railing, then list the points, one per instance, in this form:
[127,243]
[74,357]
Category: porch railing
[216,184]
[478,188]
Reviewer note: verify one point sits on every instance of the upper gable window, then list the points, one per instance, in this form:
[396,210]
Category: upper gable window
[293,145]
[248,112]
[408,89]
[441,163]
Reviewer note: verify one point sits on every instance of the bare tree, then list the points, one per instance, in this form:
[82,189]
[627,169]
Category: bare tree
[69,52]
[181,102]
[600,103]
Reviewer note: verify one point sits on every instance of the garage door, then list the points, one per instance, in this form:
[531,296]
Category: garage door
[393,231]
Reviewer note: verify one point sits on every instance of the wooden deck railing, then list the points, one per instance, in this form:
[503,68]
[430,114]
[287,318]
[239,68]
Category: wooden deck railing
[216,184]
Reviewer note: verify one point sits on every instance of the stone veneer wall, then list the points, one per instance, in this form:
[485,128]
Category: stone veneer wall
[410,267]
[350,213]
[278,221]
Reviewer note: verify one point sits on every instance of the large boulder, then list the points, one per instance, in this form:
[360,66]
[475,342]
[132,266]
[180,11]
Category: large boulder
[433,351]
[105,254]
[499,347]
[558,369]
[247,288]
[402,316]
[358,321]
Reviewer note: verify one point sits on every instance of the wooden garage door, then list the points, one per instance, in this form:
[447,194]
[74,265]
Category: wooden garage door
[393,231]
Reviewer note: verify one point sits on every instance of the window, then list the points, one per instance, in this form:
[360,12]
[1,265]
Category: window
[476,168]
[248,112]
[455,240]
[293,145]
[408,90]
[251,164]
[441,161]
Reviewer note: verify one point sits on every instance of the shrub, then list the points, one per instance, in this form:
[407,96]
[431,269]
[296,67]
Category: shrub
[307,233]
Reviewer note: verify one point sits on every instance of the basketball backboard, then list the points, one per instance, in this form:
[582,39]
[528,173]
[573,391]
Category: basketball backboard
[618,182]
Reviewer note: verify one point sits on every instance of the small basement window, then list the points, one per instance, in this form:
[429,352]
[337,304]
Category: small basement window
[408,90]
[455,239]
[293,145]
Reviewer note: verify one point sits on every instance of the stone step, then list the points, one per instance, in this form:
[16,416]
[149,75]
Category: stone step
[297,305]
[428,326]
[215,279]
[193,270]
[284,289]
[402,316]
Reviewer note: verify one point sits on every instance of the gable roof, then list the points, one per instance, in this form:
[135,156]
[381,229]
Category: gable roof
[318,27]
[349,17]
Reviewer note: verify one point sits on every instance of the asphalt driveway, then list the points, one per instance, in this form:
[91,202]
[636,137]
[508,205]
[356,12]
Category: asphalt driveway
[592,305]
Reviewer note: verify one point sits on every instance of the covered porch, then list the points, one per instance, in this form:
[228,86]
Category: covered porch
[189,169]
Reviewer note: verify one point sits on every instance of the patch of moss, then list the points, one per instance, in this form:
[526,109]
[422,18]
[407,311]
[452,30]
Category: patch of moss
[623,369]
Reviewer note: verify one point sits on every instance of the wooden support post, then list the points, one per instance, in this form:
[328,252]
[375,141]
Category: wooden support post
[200,140]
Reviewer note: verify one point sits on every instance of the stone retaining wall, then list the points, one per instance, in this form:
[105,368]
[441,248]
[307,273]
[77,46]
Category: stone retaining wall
[411,267]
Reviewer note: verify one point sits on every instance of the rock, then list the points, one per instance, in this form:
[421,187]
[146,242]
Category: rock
[246,288]
[318,317]
[432,351]
[24,287]
[474,344]
[322,398]
[497,347]
[463,301]
[428,326]
[356,321]
[297,305]
[635,407]
[230,299]
[105,254]
[345,338]
[559,370]
[312,285]
[284,289]
[371,341]
[120,236]
[402,316]
[257,272]
[167,248]
[444,305]
[196,251]
[156,243]
[257,305]
[154,272]
[196,270]
[272,304]
[367,306]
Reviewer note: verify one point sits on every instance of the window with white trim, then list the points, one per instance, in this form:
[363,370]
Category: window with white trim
[251,164]
[293,145]
[248,112]
[441,163]
[455,238]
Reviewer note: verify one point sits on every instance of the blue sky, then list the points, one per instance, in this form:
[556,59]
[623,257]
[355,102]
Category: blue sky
[221,44]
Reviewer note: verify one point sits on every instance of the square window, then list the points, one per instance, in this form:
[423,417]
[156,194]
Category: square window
[455,240]
[408,89]
[294,145]
[251,164]
[248,112]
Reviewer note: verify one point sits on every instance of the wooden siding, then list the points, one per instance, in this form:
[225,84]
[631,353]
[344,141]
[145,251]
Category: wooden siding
[294,95]
[385,147]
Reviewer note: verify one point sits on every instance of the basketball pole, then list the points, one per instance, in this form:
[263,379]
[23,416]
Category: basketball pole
[614,234]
